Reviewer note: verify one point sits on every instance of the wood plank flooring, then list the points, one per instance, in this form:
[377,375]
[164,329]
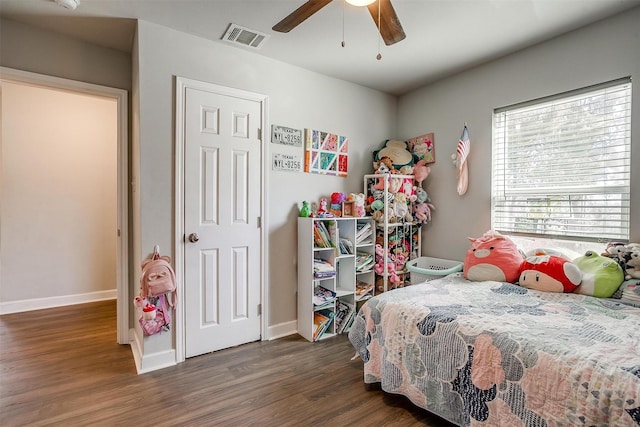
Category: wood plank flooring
[62,366]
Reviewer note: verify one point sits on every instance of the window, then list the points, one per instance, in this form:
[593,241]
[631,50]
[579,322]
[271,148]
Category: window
[561,165]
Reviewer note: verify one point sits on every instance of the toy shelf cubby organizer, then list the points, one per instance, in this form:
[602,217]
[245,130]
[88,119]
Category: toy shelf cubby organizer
[335,273]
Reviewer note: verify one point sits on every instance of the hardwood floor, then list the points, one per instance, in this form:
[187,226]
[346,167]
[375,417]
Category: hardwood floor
[62,366]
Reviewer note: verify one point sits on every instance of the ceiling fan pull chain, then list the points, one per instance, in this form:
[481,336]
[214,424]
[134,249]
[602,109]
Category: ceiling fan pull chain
[379,55]
[343,6]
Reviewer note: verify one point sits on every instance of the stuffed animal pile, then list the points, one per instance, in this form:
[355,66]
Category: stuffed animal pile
[405,201]
[385,263]
[627,256]
[495,257]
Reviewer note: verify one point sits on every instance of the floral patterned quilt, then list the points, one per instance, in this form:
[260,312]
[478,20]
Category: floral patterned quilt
[497,354]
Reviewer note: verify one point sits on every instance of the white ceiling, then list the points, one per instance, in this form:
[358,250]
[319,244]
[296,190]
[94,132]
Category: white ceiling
[443,36]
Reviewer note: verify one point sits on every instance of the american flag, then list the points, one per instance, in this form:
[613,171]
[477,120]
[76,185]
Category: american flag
[462,152]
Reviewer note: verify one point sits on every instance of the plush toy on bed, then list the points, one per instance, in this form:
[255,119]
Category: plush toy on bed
[492,257]
[632,270]
[549,273]
[627,256]
[601,276]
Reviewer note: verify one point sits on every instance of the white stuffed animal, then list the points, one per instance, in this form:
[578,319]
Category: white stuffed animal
[632,270]
[401,208]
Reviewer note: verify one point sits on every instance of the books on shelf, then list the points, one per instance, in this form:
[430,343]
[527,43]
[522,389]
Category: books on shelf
[327,305]
[363,232]
[344,317]
[321,321]
[364,261]
[322,296]
[323,268]
[321,235]
[363,290]
[348,322]
[346,246]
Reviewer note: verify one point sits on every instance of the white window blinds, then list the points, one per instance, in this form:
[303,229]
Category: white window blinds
[561,165]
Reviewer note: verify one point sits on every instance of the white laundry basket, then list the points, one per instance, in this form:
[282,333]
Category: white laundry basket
[424,268]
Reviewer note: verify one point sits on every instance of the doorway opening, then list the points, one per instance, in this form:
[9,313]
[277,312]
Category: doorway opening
[51,188]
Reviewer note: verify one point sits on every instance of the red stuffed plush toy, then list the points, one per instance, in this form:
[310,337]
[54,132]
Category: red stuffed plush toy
[550,273]
[492,257]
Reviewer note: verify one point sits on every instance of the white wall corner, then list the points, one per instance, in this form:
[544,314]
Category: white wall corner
[282,330]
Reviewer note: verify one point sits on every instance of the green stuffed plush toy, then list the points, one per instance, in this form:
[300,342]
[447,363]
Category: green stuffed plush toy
[601,276]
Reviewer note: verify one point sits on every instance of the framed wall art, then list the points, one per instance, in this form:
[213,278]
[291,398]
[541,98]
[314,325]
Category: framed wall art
[423,147]
[326,153]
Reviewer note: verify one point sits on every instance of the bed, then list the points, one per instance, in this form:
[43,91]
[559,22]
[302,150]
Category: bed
[497,354]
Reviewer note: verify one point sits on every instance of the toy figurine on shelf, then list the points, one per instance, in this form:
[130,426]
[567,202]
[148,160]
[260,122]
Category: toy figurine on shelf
[305,211]
[322,211]
[336,203]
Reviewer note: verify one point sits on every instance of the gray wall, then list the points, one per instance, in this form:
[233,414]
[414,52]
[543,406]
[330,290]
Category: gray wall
[297,98]
[598,53]
[28,48]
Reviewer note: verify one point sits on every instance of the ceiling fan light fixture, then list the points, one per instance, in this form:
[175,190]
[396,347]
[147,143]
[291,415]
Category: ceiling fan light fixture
[360,2]
[68,4]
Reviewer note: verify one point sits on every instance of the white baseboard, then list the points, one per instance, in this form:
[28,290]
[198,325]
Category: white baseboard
[149,362]
[50,302]
[282,330]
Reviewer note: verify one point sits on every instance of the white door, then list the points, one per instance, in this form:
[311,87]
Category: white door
[222,213]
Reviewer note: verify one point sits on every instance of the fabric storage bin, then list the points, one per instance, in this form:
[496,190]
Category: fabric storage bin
[424,268]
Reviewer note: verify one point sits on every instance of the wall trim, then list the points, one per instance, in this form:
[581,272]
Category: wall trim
[282,330]
[149,362]
[20,306]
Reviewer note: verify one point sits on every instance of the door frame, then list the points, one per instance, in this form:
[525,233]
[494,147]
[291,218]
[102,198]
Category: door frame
[122,209]
[181,85]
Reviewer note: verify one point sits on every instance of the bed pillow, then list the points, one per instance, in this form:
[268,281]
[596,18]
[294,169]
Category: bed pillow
[492,257]
[601,276]
[549,273]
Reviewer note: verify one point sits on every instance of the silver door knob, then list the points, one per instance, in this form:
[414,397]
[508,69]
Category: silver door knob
[193,237]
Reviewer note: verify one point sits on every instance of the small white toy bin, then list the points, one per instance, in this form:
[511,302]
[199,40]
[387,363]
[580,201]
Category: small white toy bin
[424,268]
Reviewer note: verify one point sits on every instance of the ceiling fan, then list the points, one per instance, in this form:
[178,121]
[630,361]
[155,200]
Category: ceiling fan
[390,28]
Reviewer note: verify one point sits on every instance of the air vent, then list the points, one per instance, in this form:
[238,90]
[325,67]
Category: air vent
[244,36]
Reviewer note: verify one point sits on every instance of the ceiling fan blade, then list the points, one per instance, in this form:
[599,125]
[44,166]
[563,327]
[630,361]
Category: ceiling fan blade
[298,16]
[390,28]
